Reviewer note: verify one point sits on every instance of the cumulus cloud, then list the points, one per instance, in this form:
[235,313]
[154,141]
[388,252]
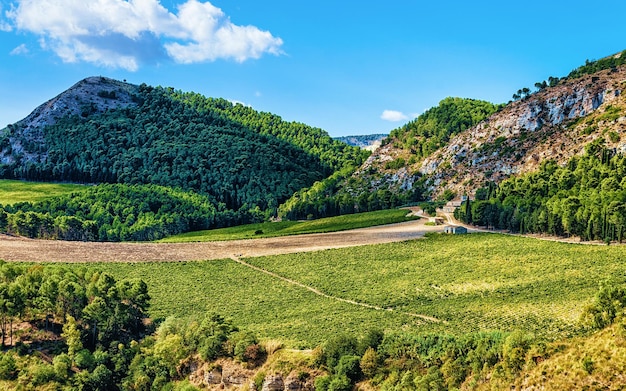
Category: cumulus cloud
[393,116]
[22,49]
[126,34]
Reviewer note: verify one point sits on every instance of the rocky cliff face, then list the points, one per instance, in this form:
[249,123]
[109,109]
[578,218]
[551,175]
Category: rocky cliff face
[89,96]
[552,124]
[555,123]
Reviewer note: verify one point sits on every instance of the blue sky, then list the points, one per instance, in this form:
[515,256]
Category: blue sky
[349,67]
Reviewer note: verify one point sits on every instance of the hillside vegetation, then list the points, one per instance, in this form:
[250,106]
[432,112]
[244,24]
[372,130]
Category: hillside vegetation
[384,181]
[240,157]
[434,128]
[116,212]
[585,198]
[476,312]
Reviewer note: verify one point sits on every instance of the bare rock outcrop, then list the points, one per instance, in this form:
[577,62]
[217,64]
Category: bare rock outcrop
[546,125]
[88,96]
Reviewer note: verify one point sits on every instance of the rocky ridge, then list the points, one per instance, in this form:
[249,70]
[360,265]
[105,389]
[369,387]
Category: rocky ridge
[554,123]
[89,96]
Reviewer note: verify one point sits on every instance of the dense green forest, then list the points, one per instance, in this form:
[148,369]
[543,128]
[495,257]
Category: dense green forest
[315,141]
[342,193]
[240,157]
[114,212]
[586,198]
[434,128]
[99,318]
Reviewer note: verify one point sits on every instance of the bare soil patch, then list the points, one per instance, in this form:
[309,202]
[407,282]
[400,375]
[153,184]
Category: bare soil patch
[34,250]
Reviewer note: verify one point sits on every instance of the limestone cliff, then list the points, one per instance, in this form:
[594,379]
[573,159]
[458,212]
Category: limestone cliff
[553,123]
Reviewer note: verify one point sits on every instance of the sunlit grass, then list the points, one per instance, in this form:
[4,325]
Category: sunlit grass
[12,192]
[473,282]
[284,228]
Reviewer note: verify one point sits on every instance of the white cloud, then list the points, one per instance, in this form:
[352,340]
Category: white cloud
[4,26]
[393,116]
[125,34]
[238,102]
[22,49]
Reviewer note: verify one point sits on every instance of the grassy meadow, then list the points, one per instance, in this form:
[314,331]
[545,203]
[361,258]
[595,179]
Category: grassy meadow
[284,228]
[12,191]
[471,282]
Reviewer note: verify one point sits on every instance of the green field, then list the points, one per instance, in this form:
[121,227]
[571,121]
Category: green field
[284,228]
[12,192]
[473,282]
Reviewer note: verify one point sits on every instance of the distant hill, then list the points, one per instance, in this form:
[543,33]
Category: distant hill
[106,131]
[369,141]
[384,180]
[463,145]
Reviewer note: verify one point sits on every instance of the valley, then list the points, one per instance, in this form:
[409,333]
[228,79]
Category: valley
[154,239]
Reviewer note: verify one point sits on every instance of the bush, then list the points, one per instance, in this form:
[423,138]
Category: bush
[609,303]
[62,365]
[350,367]
[242,342]
[335,348]
[8,369]
[340,383]
[42,374]
[322,383]
[369,363]
[514,351]
[84,359]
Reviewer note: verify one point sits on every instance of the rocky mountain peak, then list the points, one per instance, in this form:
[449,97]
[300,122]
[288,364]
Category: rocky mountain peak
[92,95]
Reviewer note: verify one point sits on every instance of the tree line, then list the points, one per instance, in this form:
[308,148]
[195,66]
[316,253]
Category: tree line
[117,212]
[585,198]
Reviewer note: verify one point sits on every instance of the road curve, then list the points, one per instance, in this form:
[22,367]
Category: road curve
[34,250]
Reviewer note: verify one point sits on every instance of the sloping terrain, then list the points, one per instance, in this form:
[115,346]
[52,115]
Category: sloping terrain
[555,123]
[106,131]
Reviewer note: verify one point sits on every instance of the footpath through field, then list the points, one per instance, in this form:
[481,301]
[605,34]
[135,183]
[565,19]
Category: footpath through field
[34,250]
[320,293]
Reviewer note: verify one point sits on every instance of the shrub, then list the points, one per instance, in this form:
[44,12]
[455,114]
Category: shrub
[322,383]
[609,303]
[62,365]
[337,347]
[369,363]
[8,369]
[349,366]
[42,374]
[340,383]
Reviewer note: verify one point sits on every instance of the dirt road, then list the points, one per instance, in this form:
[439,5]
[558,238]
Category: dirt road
[32,250]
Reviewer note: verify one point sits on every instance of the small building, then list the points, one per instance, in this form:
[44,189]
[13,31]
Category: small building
[455,230]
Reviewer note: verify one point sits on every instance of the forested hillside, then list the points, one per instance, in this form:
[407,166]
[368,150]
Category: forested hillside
[240,157]
[385,180]
[585,198]
[433,129]
[333,153]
